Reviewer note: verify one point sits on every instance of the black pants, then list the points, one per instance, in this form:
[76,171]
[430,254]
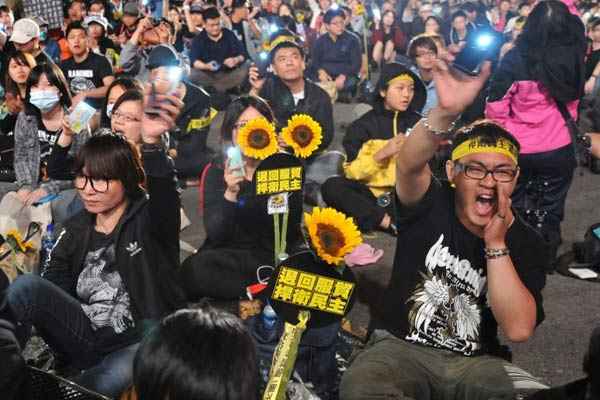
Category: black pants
[542,190]
[221,273]
[356,200]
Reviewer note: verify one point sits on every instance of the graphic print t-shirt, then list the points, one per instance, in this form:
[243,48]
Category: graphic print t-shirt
[437,295]
[86,75]
[100,288]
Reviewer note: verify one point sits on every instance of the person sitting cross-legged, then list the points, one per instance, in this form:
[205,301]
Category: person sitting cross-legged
[465,265]
[371,144]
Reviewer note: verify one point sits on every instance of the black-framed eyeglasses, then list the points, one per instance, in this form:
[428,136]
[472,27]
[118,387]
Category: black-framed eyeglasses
[98,185]
[479,172]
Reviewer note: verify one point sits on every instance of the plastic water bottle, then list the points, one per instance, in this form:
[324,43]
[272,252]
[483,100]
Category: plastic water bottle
[46,247]
[269,321]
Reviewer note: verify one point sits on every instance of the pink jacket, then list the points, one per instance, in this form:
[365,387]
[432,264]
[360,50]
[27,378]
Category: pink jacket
[526,109]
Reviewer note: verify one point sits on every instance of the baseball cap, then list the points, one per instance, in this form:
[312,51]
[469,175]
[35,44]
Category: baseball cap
[25,30]
[132,9]
[196,8]
[283,38]
[96,19]
[162,56]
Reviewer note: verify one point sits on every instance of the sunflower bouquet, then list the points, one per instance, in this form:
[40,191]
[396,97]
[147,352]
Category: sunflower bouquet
[257,139]
[303,134]
[332,234]
[17,254]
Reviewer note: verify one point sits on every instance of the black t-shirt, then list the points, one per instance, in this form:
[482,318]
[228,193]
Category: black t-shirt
[86,75]
[47,139]
[206,50]
[103,295]
[437,295]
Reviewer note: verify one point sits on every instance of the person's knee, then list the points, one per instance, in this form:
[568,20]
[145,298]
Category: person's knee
[23,291]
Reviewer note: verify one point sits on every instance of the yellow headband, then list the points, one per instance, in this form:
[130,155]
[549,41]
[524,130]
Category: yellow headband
[280,39]
[402,77]
[475,145]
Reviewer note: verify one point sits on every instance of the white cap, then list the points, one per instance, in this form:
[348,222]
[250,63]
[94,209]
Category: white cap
[96,19]
[25,30]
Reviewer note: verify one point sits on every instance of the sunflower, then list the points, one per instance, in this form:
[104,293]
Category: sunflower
[303,134]
[333,235]
[257,139]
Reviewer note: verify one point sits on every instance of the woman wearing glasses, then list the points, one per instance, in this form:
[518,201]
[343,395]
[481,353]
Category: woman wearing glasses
[110,275]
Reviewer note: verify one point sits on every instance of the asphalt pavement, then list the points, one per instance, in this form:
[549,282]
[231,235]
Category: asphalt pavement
[555,353]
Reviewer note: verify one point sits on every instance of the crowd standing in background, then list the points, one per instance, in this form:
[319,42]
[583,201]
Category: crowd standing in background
[105,112]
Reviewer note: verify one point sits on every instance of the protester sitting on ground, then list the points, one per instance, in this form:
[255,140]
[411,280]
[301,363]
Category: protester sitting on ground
[37,128]
[592,64]
[387,39]
[18,68]
[523,10]
[228,260]
[114,91]
[288,91]
[459,32]
[98,40]
[26,38]
[336,55]
[545,68]
[417,26]
[371,142]
[167,73]
[243,25]
[464,265]
[88,74]
[223,363]
[423,52]
[111,273]
[217,56]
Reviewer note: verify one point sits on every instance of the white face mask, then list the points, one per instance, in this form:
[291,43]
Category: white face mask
[44,100]
[109,109]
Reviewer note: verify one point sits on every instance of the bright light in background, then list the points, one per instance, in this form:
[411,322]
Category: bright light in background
[175,74]
[334,6]
[484,40]
[376,13]
[263,55]
[273,28]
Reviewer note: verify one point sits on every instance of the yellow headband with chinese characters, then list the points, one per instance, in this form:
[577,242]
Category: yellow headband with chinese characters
[402,77]
[477,145]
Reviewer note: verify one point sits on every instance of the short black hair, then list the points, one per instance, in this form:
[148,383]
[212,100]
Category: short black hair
[129,95]
[237,107]
[467,7]
[210,13]
[112,157]
[594,22]
[5,9]
[332,13]
[200,353]
[75,25]
[522,4]
[422,40]
[457,14]
[487,130]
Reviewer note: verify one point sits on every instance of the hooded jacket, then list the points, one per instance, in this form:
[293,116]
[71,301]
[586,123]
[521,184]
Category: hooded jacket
[146,242]
[371,132]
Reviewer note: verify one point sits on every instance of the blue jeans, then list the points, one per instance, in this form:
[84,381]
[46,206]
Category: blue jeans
[60,320]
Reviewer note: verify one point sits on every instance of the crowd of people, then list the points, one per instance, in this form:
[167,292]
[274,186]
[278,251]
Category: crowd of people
[467,169]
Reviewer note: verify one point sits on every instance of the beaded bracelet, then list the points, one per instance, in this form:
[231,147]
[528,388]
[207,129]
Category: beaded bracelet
[495,253]
[437,132]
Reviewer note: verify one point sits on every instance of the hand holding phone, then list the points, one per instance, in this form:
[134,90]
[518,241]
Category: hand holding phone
[235,160]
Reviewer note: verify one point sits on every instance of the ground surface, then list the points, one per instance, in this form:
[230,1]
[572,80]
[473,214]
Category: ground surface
[572,306]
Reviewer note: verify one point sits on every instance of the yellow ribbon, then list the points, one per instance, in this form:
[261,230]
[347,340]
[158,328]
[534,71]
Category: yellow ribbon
[402,77]
[284,358]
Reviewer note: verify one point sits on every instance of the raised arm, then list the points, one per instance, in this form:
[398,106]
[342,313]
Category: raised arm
[455,93]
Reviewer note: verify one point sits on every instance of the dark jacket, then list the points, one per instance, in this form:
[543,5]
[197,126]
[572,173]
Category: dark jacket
[147,243]
[316,103]
[340,57]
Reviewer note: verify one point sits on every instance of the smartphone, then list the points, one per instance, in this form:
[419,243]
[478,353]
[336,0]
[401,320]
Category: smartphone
[376,13]
[152,107]
[481,46]
[234,155]
[262,63]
